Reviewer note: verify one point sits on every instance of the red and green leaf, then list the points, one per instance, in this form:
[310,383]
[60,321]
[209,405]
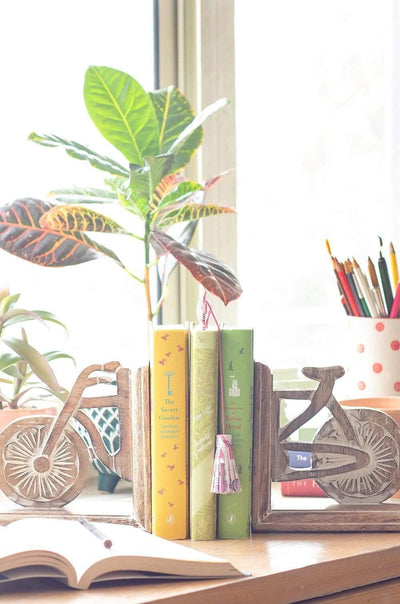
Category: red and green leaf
[215,276]
[22,235]
[164,188]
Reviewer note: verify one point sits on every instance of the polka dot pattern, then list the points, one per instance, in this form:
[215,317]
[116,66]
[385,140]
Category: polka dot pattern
[374,364]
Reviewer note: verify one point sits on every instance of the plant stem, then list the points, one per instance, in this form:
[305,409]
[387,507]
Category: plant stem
[147,270]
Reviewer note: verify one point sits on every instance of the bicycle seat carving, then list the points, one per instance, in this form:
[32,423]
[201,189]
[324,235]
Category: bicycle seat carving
[45,462]
[355,454]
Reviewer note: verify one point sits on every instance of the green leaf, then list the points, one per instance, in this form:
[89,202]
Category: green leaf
[54,355]
[80,195]
[8,360]
[8,302]
[122,111]
[36,314]
[179,144]
[174,114]
[78,151]
[189,212]
[18,315]
[144,181]
[22,236]
[78,218]
[215,276]
[37,362]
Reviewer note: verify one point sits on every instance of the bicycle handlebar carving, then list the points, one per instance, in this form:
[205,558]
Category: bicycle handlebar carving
[45,462]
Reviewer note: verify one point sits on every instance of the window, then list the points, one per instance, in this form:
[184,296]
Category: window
[313,162]
[46,47]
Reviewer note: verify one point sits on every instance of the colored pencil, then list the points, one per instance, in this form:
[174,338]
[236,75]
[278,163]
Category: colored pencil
[394,313]
[394,267]
[385,281]
[346,288]
[375,288]
[366,291]
[350,278]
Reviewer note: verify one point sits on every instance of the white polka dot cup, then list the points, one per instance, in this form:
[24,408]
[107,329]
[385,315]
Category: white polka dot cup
[373,367]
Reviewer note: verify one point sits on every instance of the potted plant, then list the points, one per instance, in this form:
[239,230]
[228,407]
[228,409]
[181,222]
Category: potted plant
[28,383]
[157,134]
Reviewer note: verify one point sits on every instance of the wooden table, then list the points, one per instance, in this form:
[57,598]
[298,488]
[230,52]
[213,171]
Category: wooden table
[284,568]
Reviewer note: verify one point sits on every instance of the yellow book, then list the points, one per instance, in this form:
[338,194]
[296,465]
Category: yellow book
[169,433]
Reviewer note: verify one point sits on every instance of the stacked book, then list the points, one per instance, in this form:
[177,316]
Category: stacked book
[189,369]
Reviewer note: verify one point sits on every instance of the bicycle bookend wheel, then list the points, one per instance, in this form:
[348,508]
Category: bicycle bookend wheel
[378,435]
[30,479]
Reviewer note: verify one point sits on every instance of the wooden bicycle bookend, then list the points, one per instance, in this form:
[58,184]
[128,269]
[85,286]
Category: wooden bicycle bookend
[44,461]
[355,460]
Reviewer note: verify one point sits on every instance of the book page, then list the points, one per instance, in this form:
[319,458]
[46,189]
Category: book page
[66,544]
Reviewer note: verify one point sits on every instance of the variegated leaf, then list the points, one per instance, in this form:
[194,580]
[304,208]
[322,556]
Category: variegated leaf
[189,212]
[174,114]
[165,186]
[77,195]
[183,232]
[78,151]
[78,218]
[22,236]
[215,276]
[180,194]
[143,182]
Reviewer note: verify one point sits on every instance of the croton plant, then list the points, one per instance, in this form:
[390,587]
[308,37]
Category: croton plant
[157,134]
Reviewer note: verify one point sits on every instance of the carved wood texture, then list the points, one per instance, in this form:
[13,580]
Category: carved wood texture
[44,462]
[355,459]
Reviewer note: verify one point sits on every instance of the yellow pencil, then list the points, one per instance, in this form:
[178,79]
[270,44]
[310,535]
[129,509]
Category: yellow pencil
[393,264]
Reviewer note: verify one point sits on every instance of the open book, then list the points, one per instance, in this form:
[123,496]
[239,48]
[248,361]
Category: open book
[69,551]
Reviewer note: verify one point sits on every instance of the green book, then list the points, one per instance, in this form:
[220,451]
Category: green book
[237,367]
[203,429]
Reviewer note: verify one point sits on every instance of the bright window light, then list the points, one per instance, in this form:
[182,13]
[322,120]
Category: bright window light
[45,49]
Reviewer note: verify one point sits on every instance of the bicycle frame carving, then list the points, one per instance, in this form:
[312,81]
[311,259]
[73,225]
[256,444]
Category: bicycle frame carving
[355,454]
[45,462]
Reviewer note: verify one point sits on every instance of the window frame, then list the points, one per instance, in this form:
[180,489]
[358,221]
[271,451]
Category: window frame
[195,52]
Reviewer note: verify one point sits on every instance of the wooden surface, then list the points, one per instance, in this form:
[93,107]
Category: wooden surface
[285,568]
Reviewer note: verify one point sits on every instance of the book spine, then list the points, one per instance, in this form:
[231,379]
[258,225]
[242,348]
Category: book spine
[169,427]
[203,430]
[233,515]
[301,488]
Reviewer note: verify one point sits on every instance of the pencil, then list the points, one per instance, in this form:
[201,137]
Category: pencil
[396,304]
[346,288]
[95,531]
[393,265]
[385,281]
[366,291]
[376,289]
[343,298]
[348,269]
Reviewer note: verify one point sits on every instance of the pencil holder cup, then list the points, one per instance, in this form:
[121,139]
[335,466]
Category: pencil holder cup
[373,359]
